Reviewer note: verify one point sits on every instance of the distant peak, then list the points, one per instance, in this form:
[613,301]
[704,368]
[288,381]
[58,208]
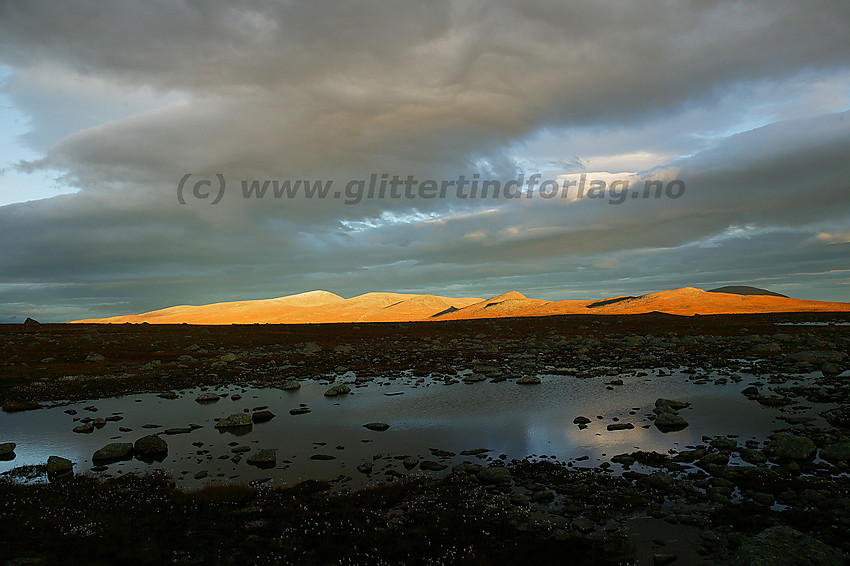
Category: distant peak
[310,298]
[745,290]
[510,295]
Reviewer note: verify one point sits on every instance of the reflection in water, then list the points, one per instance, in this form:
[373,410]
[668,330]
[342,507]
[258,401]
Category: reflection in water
[506,418]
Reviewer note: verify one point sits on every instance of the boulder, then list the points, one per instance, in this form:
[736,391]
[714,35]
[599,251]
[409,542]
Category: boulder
[784,546]
[817,356]
[263,458]
[380,427]
[529,380]
[150,447]
[494,475]
[262,416]
[234,421]
[7,451]
[291,385]
[341,389]
[669,422]
[207,398]
[675,405]
[113,452]
[840,451]
[791,446]
[57,466]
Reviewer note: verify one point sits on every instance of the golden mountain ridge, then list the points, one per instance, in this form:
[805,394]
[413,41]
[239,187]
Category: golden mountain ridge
[325,307]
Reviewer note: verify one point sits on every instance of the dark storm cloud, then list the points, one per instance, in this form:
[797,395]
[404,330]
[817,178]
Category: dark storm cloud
[338,90]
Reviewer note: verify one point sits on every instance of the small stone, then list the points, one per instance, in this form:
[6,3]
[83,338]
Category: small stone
[207,398]
[583,525]
[177,430]
[322,457]
[377,426]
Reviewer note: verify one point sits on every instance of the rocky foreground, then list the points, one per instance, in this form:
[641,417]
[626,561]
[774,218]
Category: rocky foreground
[784,501]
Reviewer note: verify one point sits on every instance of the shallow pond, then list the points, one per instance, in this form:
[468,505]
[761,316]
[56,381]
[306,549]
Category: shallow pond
[507,418]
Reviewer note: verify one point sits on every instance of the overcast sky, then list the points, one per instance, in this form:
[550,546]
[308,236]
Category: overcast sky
[105,106]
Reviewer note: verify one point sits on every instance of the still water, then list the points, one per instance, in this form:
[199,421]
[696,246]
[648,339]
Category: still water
[506,418]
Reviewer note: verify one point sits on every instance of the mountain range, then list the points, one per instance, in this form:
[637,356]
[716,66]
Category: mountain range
[326,307]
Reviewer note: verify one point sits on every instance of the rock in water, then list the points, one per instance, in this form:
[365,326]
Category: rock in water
[620,426]
[338,390]
[262,416]
[263,458]
[7,451]
[150,447]
[783,546]
[57,466]
[112,452]
[668,422]
[234,421]
[207,398]
[791,446]
[675,405]
[291,385]
[529,380]
[377,426]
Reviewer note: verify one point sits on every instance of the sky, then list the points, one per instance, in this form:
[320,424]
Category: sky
[106,106]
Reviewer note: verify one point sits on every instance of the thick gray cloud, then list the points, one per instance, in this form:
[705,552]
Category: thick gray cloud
[744,101]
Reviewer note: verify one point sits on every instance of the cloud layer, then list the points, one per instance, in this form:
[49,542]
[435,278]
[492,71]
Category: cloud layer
[746,102]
